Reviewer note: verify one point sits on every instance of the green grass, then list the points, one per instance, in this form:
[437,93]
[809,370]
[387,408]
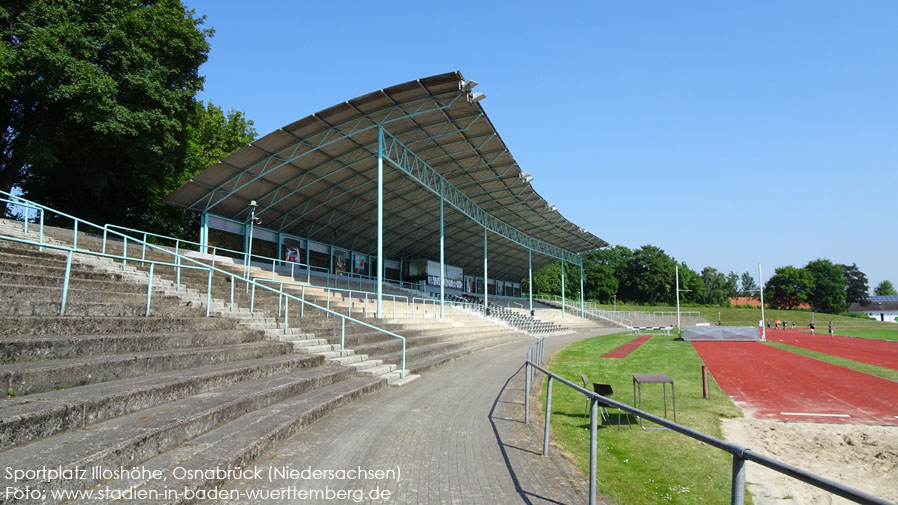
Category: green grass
[878,371]
[750,317]
[878,334]
[638,467]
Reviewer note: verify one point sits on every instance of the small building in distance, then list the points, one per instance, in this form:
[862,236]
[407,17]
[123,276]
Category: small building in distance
[881,308]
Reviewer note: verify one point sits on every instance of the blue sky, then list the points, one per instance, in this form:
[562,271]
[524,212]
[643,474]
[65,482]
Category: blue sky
[726,134]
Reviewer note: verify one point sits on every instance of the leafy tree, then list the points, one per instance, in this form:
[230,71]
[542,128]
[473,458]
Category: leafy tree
[599,282]
[856,281]
[885,288]
[692,283]
[829,283]
[650,276]
[789,287]
[717,286]
[211,135]
[749,286]
[96,100]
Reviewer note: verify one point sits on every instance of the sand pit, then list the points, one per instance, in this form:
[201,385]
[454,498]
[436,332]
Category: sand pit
[864,457]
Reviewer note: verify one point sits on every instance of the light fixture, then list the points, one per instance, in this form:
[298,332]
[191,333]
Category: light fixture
[551,208]
[466,85]
[524,176]
[475,97]
[253,204]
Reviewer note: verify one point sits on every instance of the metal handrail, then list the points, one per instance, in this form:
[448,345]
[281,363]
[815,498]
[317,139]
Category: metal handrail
[343,317]
[740,453]
[328,290]
[178,265]
[68,269]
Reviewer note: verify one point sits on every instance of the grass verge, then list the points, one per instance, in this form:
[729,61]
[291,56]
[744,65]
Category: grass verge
[638,467]
[878,371]
[877,334]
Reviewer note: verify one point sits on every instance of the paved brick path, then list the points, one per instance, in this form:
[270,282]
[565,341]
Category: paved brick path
[456,436]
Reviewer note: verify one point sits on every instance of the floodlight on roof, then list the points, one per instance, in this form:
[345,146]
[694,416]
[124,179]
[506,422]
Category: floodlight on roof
[466,85]
[475,97]
[524,176]
[551,207]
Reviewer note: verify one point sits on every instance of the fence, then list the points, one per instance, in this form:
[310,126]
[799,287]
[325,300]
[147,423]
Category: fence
[533,363]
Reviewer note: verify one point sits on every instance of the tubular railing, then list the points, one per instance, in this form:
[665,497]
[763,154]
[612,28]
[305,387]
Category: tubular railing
[363,296]
[177,266]
[740,454]
[281,264]
[343,319]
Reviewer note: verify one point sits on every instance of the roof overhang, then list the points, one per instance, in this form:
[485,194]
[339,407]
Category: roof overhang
[317,178]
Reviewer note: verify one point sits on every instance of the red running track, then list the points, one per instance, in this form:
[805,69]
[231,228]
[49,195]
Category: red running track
[625,350]
[882,353]
[770,383]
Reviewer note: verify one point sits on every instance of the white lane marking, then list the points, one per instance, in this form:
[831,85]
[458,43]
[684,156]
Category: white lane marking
[811,414]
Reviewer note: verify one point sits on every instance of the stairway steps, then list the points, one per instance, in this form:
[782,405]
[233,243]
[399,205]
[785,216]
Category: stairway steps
[55,325]
[39,376]
[240,443]
[74,346]
[25,419]
[135,438]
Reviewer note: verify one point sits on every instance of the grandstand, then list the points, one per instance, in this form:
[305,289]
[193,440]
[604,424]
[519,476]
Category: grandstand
[311,285]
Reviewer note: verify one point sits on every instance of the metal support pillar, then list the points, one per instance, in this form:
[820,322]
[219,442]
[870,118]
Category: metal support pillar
[442,261]
[737,492]
[204,233]
[593,455]
[763,321]
[485,278]
[582,310]
[562,290]
[530,277]
[380,221]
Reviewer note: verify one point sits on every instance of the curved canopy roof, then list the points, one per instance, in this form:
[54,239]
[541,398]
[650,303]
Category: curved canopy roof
[317,178]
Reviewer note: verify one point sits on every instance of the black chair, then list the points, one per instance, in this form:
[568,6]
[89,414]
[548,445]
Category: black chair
[607,391]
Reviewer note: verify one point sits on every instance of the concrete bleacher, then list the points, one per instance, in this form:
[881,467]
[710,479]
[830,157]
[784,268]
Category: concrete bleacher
[106,384]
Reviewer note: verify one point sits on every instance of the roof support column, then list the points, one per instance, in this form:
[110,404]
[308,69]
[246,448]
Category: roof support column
[204,233]
[530,277]
[581,285]
[486,290]
[380,221]
[562,289]
[442,259]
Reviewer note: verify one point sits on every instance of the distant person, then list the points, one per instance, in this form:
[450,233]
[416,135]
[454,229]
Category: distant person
[811,326]
[768,324]
[776,324]
[831,328]
[793,325]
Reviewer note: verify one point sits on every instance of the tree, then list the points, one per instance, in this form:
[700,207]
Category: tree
[828,292]
[856,285]
[717,287]
[650,276]
[97,97]
[749,287]
[885,288]
[692,283]
[789,287]
[211,135]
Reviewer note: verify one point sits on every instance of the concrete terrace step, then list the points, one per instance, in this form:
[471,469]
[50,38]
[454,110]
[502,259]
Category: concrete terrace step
[73,346]
[239,443]
[348,359]
[26,378]
[378,370]
[135,438]
[31,418]
[16,326]
[159,305]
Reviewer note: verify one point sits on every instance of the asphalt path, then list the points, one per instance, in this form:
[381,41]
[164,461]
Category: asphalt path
[454,436]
